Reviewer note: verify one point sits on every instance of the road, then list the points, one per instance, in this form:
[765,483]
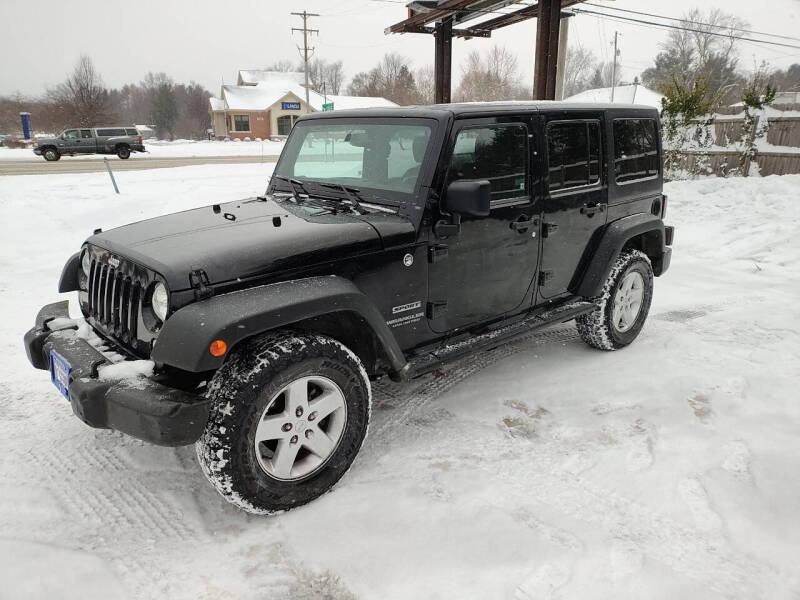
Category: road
[40,166]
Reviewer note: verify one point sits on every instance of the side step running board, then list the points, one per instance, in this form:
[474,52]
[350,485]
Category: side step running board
[424,363]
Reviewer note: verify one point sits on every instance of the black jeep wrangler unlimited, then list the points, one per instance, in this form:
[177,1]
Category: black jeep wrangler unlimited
[388,242]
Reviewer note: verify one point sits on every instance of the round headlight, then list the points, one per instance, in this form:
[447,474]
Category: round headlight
[160,301]
[86,263]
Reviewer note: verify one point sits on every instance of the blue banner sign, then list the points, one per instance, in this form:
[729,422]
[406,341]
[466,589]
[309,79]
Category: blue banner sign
[290,106]
[27,128]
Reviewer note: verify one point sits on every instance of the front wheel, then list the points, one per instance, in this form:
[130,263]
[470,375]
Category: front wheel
[124,152]
[51,154]
[623,304]
[289,414]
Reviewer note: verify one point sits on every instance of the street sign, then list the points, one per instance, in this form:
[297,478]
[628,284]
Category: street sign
[290,106]
[328,106]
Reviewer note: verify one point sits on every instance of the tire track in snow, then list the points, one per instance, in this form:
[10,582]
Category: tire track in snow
[701,554]
[414,396]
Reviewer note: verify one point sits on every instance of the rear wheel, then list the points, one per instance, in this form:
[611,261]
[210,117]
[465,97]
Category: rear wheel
[623,304]
[289,414]
[123,152]
[51,154]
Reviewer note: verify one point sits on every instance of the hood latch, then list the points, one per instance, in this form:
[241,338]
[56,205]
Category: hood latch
[198,279]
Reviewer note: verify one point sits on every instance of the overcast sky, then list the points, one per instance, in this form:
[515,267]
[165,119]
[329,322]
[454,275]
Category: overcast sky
[208,40]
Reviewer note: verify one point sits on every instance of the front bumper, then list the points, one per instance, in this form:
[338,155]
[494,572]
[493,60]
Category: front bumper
[142,408]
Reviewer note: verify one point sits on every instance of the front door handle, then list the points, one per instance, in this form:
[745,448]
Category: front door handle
[523,223]
[591,208]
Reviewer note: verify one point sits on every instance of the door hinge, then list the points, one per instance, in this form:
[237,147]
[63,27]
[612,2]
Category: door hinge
[548,228]
[544,277]
[436,253]
[198,279]
[434,310]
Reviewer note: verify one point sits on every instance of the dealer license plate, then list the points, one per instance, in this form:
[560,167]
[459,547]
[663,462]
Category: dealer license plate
[59,373]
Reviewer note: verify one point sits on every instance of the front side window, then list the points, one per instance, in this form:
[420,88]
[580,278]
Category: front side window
[383,156]
[86,134]
[71,134]
[635,149]
[573,154]
[498,153]
[241,122]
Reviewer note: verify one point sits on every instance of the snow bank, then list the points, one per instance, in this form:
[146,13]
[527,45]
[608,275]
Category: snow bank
[164,149]
[541,469]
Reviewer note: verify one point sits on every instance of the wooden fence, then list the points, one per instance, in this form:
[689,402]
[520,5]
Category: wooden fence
[782,131]
[721,162]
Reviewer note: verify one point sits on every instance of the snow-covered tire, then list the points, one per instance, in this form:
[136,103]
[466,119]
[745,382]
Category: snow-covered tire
[252,394]
[123,151]
[51,154]
[598,328]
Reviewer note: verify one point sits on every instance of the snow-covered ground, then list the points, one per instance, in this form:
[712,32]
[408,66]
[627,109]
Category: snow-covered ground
[542,469]
[178,148]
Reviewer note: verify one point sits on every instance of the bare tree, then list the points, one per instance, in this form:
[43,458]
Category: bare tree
[424,77]
[493,78]
[282,65]
[578,70]
[391,78]
[701,53]
[327,76]
[81,99]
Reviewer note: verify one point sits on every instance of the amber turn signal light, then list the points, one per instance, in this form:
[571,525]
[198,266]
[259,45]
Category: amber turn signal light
[218,348]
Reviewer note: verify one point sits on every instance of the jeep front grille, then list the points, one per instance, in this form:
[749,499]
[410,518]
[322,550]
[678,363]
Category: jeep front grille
[114,300]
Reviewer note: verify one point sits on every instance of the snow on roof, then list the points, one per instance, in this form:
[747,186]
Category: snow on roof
[263,95]
[623,94]
[145,127]
[266,93]
[340,102]
[255,76]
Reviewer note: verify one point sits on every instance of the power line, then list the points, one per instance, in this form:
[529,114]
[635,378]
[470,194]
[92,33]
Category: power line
[667,26]
[682,20]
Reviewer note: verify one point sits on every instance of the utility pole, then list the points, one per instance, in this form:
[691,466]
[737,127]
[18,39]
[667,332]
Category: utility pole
[305,48]
[614,68]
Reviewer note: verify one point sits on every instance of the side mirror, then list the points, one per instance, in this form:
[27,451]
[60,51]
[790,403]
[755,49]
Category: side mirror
[468,197]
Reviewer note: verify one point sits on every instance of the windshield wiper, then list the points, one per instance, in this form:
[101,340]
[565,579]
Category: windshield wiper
[294,183]
[350,192]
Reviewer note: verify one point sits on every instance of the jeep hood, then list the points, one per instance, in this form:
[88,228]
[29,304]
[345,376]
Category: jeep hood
[250,238]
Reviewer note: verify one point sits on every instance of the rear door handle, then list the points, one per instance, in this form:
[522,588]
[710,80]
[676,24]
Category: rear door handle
[591,208]
[522,224]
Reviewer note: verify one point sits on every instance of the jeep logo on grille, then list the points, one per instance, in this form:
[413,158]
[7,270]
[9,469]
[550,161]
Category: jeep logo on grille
[113,261]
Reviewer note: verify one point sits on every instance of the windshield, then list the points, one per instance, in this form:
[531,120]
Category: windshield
[383,155]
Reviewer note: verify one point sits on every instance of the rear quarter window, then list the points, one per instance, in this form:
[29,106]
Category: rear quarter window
[111,132]
[635,149]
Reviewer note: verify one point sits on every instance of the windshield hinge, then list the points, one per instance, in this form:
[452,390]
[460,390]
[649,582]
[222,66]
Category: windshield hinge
[198,279]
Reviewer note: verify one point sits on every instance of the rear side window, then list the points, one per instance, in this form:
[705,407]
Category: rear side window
[86,134]
[111,132]
[573,153]
[498,153]
[635,149]
[132,132]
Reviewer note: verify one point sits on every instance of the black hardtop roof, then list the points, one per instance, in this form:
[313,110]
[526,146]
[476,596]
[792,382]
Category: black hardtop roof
[439,111]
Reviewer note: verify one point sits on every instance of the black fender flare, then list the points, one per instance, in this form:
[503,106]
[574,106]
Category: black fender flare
[68,282]
[185,338]
[616,235]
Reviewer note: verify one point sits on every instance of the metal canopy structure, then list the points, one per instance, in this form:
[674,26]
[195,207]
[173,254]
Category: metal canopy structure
[438,17]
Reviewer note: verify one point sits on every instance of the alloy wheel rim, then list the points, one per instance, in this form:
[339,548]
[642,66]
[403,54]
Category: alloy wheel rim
[300,428]
[628,301]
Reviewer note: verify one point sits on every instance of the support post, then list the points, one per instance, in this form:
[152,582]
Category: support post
[111,174]
[546,59]
[443,60]
[563,37]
